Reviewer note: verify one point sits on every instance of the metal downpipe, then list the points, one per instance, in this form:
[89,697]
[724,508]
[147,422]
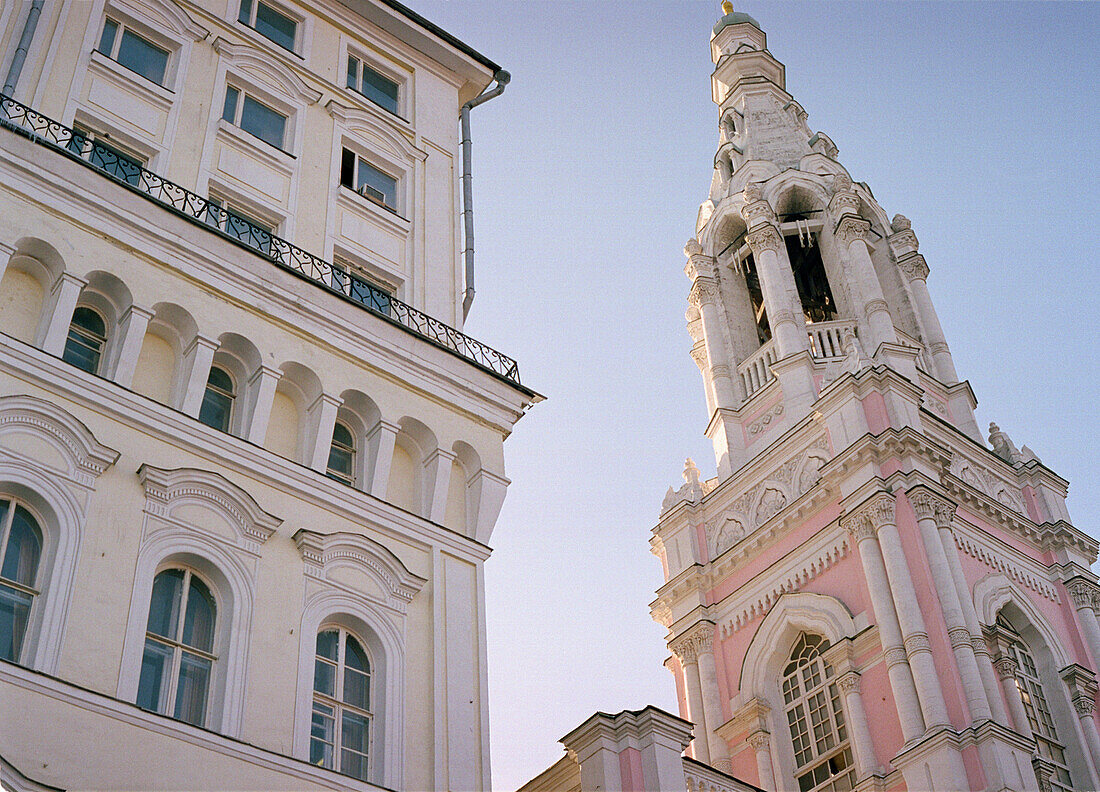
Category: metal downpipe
[20,56]
[502,79]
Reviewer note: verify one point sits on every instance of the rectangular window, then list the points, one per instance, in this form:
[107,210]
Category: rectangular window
[379,89]
[133,51]
[368,181]
[239,225]
[359,288]
[105,156]
[254,117]
[268,22]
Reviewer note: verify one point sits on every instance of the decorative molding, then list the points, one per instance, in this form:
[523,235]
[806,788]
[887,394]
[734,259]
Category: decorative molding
[849,682]
[267,69]
[959,637]
[1006,667]
[986,482]
[895,655]
[874,513]
[1000,563]
[324,552]
[760,741]
[85,456]
[917,642]
[930,506]
[762,422]
[913,267]
[765,238]
[851,228]
[704,291]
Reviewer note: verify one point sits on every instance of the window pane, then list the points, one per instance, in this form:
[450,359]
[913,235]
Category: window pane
[327,643]
[153,684]
[354,738]
[165,603]
[15,608]
[356,689]
[322,735]
[191,690]
[339,462]
[198,623]
[219,378]
[263,122]
[143,57]
[24,548]
[278,27]
[347,169]
[245,15]
[324,677]
[84,344]
[229,111]
[378,185]
[216,410]
[353,73]
[380,90]
[107,40]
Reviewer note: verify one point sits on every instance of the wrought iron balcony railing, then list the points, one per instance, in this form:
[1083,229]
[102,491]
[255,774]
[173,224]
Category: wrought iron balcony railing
[124,170]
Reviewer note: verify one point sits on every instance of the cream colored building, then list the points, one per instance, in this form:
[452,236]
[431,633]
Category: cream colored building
[249,463]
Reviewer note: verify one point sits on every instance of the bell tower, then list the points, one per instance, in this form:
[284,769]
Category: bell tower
[851,599]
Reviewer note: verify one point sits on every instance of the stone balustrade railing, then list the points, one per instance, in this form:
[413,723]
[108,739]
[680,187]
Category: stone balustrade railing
[826,343]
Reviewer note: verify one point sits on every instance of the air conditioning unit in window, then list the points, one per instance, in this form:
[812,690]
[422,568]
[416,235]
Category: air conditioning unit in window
[369,192]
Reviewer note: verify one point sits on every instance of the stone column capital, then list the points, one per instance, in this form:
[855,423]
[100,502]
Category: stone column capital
[759,740]
[1006,667]
[849,682]
[699,355]
[696,640]
[931,506]
[913,267]
[873,514]
[704,291]
[767,237]
[850,228]
[1084,592]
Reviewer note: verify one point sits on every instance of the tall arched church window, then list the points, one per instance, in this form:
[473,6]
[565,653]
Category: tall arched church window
[341,455]
[1038,712]
[217,402]
[340,731]
[20,549]
[179,642]
[811,700]
[86,339]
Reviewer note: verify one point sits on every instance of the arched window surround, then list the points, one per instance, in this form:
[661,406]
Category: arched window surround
[224,550]
[56,489]
[374,609]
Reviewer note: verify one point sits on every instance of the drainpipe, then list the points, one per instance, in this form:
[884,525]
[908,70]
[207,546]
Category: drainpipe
[21,51]
[502,78]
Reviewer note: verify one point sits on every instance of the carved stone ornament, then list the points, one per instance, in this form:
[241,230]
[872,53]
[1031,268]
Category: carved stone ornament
[696,641]
[757,213]
[692,248]
[960,637]
[900,223]
[1083,593]
[842,183]
[759,740]
[684,649]
[869,517]
[752,193]
[1084,706]
[895,655]
[917,642]
[913,267]
[703,292]
[766,238]
[849,682]
[926,504]
[699,355]
[852,228]
[1006,667]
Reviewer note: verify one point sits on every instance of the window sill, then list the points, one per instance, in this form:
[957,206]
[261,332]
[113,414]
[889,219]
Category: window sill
[273,156]
[363,206]
[157,95]
[382,112]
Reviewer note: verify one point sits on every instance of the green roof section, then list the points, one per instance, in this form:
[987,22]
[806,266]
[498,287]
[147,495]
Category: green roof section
[734,18]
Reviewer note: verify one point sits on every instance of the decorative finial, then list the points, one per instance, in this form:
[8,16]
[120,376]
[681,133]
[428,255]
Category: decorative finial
[727,7]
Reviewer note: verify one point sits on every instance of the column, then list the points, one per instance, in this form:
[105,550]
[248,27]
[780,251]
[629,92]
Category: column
[194,372]
[851,233]
[684,649]
[774,270]
[1006,668]
[977,641]
[437,480]
[861,527]
[703,636]
[862,746]
[53,329]
[261,395]
[322,416]
[131,336]
[1084,592]
[761,745]
[934,512]
[380,441]
[704,296]
[913,631]
[1082,686]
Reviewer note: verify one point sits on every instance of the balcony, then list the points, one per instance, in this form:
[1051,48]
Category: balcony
[826,343]
[23,120]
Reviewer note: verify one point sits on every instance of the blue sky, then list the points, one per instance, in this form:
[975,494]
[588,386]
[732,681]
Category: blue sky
[978,121]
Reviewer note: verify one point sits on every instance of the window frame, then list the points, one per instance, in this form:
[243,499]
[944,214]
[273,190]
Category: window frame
[359,160]
[338,705]
[281,10]
[352,455]
[177,646]
[33,590]
[258,98]
[84,334]
[231,395]
[124,25]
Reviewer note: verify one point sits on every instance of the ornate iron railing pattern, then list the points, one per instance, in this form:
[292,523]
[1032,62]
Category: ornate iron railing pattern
[44,130]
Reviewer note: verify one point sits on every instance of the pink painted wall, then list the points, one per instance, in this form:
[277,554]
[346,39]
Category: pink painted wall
[874,408]
[630,770]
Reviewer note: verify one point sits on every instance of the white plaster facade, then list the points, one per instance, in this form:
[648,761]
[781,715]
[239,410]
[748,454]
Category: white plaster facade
[126,476]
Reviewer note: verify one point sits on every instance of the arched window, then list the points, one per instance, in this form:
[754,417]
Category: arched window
[86,339]
[340,730]
[179,641]
[811,701]
[217,402]
[1038,711]
[341,455]
[20,548]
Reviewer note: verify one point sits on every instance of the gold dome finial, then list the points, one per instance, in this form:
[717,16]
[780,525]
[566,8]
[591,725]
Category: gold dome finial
[727,7]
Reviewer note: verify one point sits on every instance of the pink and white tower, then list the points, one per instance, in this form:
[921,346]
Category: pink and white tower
[868,595]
